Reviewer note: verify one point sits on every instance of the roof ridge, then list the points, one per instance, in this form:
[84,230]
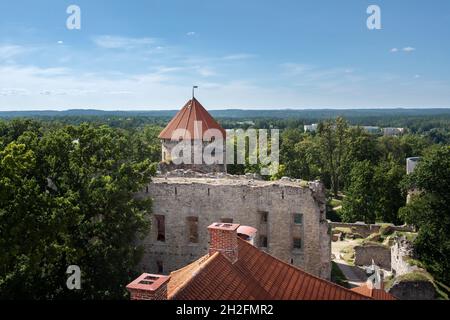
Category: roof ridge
[302,271]
[202,115]
[202,267]
[192,111]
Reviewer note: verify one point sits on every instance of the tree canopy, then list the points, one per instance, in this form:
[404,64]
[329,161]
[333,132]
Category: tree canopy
[67,198]
[429,210]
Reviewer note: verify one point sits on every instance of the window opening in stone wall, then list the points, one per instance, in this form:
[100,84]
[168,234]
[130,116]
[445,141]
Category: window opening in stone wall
[297,243]
[161,227]
[160,266]
[193,229]
[263,241]
[264,215]
[298,218]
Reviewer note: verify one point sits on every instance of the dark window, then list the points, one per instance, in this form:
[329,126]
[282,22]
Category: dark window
[161,226]
[193,229]
[226,220]
[263,241]
[160,266]
[264,216]
[298,218]
[297,243]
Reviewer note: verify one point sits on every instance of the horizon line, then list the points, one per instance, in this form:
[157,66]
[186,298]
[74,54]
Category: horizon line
[232,109]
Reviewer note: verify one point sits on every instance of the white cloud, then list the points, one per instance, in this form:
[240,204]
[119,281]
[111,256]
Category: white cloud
[409,49]
[238,56]
[8,51]
[394,50]
[206,71]
[118,42]
[191,34]
[295,68]
[60,42]
[13,92]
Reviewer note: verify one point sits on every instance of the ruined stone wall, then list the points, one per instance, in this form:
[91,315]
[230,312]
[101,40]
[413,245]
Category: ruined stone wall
[401,252]
[247,202]
[380,255]
[413,290]
[367,229]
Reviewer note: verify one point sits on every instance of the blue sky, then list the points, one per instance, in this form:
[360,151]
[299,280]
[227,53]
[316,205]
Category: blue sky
[242,54]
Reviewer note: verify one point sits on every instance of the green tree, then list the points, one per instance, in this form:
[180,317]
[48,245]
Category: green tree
[360,202]
[389,195]
[430,211]
[68,197]
[332,142]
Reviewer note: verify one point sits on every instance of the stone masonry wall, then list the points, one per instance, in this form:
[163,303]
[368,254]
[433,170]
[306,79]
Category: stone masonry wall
[401,251]
[380,255]
[247,202]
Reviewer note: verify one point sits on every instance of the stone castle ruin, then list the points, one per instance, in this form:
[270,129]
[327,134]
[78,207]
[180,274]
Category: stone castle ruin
[288,214]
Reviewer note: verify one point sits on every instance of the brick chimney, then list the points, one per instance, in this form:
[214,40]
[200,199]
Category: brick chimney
[149,287]
[223,238]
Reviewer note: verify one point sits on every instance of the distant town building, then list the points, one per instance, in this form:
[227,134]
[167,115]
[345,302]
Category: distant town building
[310,127]
[393,131]
[372,129]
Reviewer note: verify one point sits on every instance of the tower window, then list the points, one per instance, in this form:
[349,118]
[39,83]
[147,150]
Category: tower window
[264,215]
[298,218]
[193,229]
[161,227]
[263,241]
[297,243]
[160,266]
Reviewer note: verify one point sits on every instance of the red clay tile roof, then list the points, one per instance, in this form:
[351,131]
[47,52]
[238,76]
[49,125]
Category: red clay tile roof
[256,275]
[376,294]
[186,117]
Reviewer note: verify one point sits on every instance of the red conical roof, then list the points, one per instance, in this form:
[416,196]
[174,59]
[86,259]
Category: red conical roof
[185,118]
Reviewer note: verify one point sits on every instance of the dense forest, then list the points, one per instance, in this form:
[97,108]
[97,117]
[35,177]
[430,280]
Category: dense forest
[67,183]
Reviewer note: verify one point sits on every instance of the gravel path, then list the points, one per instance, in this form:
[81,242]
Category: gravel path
[355,275]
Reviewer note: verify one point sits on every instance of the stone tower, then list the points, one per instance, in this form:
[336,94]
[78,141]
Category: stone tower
[193,140]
